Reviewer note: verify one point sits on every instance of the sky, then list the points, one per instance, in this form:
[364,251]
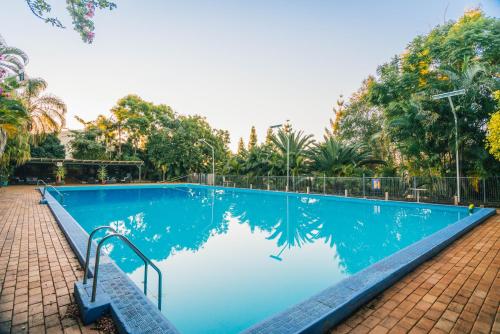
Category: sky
[238,63]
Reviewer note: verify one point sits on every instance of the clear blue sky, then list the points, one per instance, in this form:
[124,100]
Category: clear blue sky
[239,63]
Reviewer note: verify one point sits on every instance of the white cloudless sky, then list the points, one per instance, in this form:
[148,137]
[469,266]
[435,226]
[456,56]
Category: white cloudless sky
[238,63]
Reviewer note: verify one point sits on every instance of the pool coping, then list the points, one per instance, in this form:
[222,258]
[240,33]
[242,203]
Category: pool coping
[117,294]
[324,310]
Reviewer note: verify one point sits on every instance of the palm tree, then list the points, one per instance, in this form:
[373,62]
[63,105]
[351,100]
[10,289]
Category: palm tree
[468,75]
[299,146]
[12,60]
[13,119]
[332,157]
[46,112]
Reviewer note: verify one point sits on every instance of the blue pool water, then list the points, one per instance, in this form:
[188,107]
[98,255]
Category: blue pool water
[231,258]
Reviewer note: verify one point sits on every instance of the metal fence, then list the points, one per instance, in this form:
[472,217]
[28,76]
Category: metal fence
[480,191]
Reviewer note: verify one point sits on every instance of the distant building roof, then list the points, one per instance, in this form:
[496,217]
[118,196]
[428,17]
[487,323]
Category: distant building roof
[85,162]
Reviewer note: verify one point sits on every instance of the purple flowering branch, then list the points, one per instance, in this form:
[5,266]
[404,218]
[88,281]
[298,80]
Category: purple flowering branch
[81,11]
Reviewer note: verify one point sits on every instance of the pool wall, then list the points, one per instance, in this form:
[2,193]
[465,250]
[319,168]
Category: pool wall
[117,294]
[326,309]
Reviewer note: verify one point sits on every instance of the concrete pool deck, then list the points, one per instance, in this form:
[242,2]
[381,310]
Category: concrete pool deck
[38,268]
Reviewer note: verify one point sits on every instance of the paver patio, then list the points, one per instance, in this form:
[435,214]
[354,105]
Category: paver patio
[456,291]
[37,267]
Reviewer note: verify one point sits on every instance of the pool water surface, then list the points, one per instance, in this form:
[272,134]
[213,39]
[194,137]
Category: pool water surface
[231,258]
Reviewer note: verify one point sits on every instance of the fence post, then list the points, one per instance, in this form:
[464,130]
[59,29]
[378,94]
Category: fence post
[345,192]
[324,183]
[414,187]
[364,192]
[251,186]
[386,196]
[484,190]
[307,189]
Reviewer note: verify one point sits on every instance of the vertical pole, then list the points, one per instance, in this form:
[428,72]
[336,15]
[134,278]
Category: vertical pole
[287,160]
[146,278]
[140,173]
[484,190]
[324,183]
[213,166]
[456,147]
[414,187]
[364,192]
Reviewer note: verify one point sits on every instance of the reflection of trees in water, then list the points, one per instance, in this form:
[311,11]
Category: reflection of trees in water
[361,234]
[371,232]
[297,226]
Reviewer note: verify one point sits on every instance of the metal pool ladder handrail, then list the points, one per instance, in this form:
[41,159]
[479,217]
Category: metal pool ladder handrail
[49,185]
[139,253]
[89,246]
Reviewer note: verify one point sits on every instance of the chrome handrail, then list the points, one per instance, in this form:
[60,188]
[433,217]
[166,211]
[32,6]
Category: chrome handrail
[49,185]
[89,246]
[139,253]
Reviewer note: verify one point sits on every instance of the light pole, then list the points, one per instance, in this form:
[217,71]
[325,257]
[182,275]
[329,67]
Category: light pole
[213,159]
[449,95]
[287,151]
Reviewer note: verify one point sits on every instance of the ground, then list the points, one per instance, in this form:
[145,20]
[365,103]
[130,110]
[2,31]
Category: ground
[37,268]
[456,291]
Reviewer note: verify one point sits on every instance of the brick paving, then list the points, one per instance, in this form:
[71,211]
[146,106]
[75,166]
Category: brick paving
[457,291]
[37,267]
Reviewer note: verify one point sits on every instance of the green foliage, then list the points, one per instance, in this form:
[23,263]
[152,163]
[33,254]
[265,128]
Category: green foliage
[179,146]
[140,130]
[60,173]
[297,144]
[88,145]
[14,137]
[81,12]
[334,158]
[102,173]
[46,112]
[252,141]
[462,54]
[493,137]
[12,60]
[49,147]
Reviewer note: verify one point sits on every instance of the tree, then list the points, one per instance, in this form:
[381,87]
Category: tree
[46,112]
[242,152]
[12,60]
[87,146]
[338,114]
[81,12]
[335,158]
[49,147]
[298,154]
[493,137]
[269,137]
[451,56]
[179,147]
[13,118]
[252,141]
[135,118]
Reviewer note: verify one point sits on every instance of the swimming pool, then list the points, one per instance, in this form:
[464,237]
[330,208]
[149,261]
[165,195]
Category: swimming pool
[232,258]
